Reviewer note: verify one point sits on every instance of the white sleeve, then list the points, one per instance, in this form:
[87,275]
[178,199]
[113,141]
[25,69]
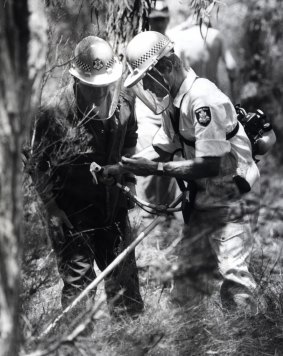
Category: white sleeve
[210,124]
[164,142]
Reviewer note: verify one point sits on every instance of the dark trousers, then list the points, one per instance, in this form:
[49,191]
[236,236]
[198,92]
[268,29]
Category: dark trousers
[77,250]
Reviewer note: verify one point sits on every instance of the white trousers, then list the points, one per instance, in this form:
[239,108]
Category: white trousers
[217,243]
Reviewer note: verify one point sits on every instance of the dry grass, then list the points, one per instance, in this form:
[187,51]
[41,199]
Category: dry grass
[164,328]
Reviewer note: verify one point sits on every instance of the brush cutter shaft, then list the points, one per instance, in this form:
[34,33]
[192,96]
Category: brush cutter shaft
[157,208]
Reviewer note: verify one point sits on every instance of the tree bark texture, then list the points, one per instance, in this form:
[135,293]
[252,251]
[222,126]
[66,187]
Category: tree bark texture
[23,43]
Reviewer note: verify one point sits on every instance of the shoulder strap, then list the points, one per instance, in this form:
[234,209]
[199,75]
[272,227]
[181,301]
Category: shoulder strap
[175,119]
[233,132]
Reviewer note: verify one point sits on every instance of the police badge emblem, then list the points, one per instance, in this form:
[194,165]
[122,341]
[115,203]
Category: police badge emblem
[97,64]
[203,115]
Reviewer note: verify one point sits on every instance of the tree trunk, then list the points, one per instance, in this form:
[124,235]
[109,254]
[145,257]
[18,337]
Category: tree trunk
[23,42]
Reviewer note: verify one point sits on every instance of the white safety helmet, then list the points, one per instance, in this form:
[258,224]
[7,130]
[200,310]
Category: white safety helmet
[94,62]
[95,65]
[143,53]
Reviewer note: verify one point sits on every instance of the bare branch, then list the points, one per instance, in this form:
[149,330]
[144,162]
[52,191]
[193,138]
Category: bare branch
[67,339]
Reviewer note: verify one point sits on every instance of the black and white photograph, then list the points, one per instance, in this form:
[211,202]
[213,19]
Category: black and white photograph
[141,189]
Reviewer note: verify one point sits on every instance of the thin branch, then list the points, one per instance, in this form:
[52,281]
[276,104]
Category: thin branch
[70,338]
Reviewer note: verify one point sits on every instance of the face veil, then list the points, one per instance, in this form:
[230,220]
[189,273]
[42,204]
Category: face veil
[153,91]
[101,101]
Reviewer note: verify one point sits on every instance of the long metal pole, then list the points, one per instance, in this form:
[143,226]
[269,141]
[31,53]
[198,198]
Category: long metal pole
[110,267]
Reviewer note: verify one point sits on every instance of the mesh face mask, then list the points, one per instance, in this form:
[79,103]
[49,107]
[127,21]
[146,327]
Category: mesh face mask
[102,100]
[153,91]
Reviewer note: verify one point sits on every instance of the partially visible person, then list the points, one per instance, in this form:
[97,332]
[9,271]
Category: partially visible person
[202,48]
[90,120]
[221,206]
[159,17]
[154,189]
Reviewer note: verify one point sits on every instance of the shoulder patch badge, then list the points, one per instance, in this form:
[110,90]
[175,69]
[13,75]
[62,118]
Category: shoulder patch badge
[203,115]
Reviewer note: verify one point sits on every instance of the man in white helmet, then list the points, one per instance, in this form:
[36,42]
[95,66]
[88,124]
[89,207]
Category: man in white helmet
[89,120]
[201,121]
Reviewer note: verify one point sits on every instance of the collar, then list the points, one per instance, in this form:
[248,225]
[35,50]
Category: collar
[185,87]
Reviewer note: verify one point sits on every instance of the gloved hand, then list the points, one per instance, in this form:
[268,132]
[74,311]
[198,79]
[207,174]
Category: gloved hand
[139,166]
[109,173]
[57,215]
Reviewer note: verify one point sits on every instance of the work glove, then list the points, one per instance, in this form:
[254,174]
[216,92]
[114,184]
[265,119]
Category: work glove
[108,174]
[57,215]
